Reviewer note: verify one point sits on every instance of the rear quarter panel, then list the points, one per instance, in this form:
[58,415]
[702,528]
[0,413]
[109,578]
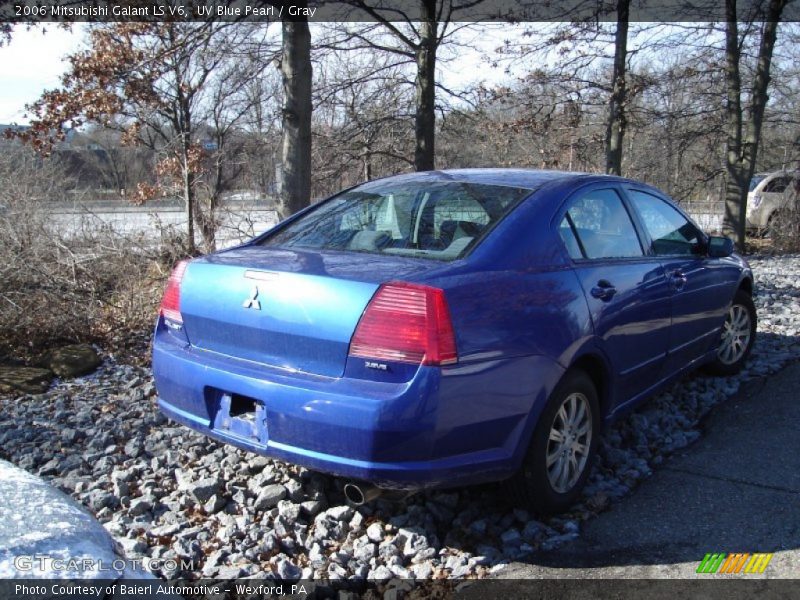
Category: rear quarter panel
[516,294]
[520,315]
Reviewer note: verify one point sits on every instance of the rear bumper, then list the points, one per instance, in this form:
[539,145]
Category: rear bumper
[443,428]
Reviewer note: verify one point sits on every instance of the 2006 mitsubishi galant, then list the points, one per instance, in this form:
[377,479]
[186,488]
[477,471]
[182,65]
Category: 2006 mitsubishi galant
[450,328]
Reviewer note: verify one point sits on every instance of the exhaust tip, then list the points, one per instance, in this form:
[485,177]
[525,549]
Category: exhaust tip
[354,494]
[358,495]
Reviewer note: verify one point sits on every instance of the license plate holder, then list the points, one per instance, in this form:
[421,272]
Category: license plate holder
[241,416]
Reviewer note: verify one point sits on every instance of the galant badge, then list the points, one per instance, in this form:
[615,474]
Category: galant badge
[253,301]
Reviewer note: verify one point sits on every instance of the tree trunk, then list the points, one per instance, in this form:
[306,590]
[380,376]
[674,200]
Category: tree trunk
[295,186]
[733,125]
[182,122]
[187,176]
[743,136]
[206,220]
[425,119]
[617,120]
[367,160]
[207,217]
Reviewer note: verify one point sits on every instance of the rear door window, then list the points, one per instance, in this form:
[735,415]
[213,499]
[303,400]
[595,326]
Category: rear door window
[597,225]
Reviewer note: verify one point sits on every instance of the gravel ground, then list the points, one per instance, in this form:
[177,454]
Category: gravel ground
[166,492]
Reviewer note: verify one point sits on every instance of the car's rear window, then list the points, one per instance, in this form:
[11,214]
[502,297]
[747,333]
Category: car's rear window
[440,220]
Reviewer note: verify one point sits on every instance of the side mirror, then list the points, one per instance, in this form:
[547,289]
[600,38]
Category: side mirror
[719,247]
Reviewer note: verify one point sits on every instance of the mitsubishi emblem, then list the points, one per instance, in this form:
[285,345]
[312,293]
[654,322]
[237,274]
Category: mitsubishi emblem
[252,301]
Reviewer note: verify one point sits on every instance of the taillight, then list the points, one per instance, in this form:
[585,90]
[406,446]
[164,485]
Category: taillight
[406,322]
[171,303]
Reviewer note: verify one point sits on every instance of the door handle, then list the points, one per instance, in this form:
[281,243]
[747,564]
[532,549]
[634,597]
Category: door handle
[604,290]
[678,279]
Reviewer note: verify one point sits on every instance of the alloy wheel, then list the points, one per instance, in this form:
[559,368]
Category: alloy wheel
[735,335]
[569,442]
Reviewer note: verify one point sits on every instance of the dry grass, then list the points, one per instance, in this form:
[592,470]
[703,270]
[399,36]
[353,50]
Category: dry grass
[96,286]
[785,230]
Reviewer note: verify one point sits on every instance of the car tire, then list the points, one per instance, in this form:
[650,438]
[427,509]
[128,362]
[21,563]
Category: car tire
[737,336]
[558,438]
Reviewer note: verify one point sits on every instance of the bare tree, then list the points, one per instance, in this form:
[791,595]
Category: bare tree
[294,192]
[261,132]
[112,165]
[617,118]
[223,118]
[677,125]
[780,133]
[580,64]
[744,124]
[417,38]
[364,114]
[150,79]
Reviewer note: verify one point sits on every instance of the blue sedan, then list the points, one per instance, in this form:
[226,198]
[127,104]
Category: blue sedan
[451,328]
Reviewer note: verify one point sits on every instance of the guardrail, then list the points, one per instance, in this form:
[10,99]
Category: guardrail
[236,223]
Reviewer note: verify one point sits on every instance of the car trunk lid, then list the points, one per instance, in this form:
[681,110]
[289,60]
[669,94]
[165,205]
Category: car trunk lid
[287,309]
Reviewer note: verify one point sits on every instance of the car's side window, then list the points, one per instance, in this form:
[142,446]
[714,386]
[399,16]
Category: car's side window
[568,235]
[670,231]
[597,225]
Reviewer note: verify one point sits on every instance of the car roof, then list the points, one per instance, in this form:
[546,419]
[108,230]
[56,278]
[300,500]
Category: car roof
[524,178]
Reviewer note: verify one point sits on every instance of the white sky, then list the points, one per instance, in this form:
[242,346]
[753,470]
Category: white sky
[33,62]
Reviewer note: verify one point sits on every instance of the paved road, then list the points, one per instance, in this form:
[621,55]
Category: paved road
[736,490]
